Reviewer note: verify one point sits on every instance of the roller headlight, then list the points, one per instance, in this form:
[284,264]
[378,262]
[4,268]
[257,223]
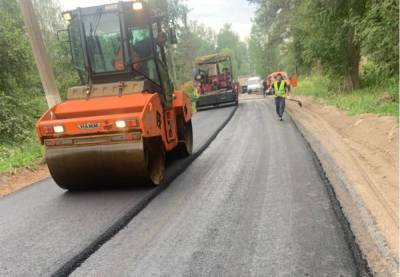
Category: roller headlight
[120,124]
[58,129]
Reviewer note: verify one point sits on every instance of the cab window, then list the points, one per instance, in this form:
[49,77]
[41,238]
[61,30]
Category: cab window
[103,39]
[141,47]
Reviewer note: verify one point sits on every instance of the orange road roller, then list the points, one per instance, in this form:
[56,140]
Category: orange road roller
[119,124]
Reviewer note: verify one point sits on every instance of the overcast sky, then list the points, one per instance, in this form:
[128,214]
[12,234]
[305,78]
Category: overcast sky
[213,13]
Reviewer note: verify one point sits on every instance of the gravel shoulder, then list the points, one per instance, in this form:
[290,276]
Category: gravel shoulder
[360,156]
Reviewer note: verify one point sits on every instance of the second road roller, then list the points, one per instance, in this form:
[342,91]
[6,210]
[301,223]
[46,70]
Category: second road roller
[118,125]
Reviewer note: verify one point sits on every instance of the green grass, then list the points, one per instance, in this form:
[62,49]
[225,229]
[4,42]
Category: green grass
[20,155]
[378,100]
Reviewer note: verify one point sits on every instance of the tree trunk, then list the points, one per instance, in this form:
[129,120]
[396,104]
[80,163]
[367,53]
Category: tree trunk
[357,9]
[355,69]
[351,70]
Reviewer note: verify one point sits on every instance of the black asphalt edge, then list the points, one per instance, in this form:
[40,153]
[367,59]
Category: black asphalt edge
[67,268]
[363,270]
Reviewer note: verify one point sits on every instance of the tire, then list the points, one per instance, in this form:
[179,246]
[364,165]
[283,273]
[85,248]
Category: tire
[185,138]
[155,160]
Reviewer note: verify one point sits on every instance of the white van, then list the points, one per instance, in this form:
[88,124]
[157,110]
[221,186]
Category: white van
[254,85]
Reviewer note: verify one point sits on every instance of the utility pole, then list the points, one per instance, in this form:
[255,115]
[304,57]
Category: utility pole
[39,53]
[172,53]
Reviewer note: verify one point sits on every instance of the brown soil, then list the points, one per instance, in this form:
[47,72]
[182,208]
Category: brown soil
[361,157]
[22,177]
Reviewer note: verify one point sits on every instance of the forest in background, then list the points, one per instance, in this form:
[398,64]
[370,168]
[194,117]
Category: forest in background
[345,51]
[334,37]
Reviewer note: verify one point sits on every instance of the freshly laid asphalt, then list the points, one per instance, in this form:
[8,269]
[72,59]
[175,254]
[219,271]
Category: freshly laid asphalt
[253,204]
[42,227]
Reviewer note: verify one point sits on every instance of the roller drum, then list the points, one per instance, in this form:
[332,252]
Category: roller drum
[81,167]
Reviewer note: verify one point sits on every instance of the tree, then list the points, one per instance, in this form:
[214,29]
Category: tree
[19,90]
[229,42]
[21,97]
[379,35]
[332,35]
[194,40]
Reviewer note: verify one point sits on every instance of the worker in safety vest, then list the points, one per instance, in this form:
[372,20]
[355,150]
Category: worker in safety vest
[281,91]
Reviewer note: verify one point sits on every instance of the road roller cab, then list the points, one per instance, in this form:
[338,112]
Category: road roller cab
[118,125]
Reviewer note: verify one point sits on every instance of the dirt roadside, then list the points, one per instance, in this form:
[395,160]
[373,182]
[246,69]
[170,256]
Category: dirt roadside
[360,156]
[22,177]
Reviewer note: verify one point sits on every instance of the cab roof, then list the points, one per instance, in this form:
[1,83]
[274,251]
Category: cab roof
[212,59]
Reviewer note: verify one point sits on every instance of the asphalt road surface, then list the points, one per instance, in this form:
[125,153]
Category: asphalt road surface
[42,226]
[253,204]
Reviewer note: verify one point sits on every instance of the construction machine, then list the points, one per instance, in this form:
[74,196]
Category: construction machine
[214,81]
[119,124]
